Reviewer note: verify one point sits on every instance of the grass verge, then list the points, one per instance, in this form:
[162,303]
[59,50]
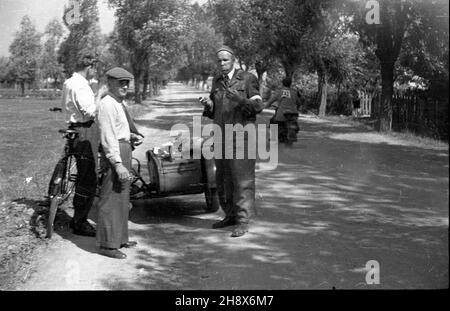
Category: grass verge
[407,136]
[30,146]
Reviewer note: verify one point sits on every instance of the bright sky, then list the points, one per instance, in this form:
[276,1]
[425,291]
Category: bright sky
[41,12]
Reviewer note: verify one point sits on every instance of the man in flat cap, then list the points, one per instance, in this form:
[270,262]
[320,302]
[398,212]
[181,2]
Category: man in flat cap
[117,136]
[80,105]
[234,100]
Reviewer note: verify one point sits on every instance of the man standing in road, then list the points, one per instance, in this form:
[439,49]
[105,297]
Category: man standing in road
[80,105]
[234,100]
[118,135]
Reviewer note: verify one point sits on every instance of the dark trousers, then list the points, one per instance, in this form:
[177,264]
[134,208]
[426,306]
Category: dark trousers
[235,181]
[113,205]
[287,129]
[85,148]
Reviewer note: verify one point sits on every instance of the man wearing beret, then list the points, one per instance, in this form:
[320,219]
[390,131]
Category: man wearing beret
[117,136]
[80,105]
[234,100]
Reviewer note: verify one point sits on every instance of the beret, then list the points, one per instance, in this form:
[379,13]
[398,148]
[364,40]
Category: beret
[119,74]
[225,48]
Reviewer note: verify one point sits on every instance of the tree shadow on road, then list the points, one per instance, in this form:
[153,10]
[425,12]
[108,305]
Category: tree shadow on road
[339,197]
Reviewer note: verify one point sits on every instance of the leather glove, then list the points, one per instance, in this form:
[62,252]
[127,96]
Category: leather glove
[122,172]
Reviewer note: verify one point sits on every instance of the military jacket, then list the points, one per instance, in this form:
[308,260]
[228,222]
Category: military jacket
[227,111]
[288,103]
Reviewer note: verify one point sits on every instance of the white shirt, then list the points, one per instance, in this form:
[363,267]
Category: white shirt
[113,125]
[78,99]
[231,74]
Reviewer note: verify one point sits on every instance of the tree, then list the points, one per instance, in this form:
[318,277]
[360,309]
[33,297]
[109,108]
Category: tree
[234,20]
[149,30]
[199,46]
[387,37]
[426,45]
[4,69]
[327,53]
[243,31]
[410,30]
[84,36]
[114,53]
[49,65]
[286,28]
[25,50]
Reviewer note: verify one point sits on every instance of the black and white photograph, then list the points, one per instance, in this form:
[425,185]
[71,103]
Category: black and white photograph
[202,147]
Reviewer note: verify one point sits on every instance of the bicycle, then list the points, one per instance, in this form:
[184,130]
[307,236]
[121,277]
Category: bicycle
[62,182]
[169,177]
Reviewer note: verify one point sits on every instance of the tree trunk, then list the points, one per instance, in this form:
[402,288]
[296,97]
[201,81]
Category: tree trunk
[137,86]
[138,65]
[137,93]
[204,82]
[376,103]
[387,91]
[146,80]
[155,86]
[323,94]
[22,88]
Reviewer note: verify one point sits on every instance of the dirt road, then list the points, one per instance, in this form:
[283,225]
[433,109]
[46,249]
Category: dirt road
[340,197]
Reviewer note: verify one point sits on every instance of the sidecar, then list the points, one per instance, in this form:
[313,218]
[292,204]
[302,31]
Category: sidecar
[173,175]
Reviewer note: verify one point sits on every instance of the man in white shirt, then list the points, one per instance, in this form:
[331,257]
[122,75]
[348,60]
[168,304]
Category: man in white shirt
[80,105]
[117,135]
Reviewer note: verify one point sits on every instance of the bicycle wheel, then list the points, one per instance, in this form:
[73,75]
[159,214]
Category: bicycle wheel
[61,186]
[54,203]
[70,178]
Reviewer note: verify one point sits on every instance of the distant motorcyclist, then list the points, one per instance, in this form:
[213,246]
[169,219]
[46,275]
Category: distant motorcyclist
[287,104]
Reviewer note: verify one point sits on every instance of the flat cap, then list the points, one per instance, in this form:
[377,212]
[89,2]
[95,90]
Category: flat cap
[119,74]
[225,48]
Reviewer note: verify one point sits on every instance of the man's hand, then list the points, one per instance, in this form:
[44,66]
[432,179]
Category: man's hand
[122,172]
[206,102]
[103,164]
[136,139]
[233,95]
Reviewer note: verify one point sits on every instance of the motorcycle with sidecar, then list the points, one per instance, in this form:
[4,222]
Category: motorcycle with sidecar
[173,173]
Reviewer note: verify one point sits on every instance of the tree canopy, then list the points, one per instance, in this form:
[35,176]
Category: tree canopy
[149,30]
[343,45]
[25,50]
[49,65]
[84,36]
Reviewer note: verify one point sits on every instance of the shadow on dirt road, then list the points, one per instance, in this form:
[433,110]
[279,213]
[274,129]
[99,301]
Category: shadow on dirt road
[340,197]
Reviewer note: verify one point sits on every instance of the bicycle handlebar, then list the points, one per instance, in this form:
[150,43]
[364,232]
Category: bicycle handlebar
[66,131]
[68,134]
